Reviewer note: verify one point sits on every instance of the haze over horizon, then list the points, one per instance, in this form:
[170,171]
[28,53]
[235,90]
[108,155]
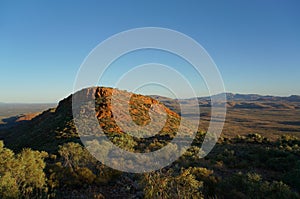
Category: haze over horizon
[255,44]
[150,94]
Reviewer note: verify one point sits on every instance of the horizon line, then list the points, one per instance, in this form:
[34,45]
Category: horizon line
[204,96]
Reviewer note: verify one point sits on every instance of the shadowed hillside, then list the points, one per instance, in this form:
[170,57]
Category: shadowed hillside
[56,126]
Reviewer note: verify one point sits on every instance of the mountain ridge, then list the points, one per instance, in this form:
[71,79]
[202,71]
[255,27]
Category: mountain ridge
[239,96]
[55,126]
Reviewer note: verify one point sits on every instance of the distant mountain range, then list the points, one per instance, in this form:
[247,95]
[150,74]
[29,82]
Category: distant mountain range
[252,97]
[248,101]
[240,97]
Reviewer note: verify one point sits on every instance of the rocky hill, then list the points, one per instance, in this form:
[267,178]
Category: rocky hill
[56,126]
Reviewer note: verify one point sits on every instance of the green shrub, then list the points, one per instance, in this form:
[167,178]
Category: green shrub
[251,185]
[187,183]
[22,174]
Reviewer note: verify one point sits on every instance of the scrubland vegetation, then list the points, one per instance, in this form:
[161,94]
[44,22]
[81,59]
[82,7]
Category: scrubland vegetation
[243,167]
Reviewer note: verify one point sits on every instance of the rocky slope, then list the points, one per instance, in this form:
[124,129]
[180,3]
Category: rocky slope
[56,126]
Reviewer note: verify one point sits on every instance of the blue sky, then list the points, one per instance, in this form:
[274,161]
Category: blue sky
[255,44]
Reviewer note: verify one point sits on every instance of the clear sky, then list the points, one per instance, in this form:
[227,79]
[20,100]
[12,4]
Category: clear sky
[255,44]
